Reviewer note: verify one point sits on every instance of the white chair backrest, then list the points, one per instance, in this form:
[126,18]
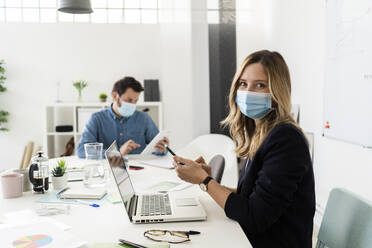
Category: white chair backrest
[209,145]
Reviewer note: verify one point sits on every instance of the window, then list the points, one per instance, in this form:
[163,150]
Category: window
[223,11]
[213,11]
[105,11]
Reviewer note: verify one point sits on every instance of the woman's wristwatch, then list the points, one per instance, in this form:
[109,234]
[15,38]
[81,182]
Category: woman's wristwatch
[204,184]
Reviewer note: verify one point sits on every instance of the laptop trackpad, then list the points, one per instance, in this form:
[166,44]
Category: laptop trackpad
[186,202]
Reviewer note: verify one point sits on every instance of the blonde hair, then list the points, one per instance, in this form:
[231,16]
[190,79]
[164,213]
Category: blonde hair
[247,136]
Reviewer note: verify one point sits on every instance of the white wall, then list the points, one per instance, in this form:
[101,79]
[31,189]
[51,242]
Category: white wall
[176,74]
[200,68]
[37,56]
[296,29]
[40,55]
[185,70]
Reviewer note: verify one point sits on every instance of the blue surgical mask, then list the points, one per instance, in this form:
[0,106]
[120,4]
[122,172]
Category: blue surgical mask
[254,105]
[127,109]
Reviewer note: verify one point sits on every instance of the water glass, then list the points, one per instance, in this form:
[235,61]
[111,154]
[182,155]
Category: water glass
[94,175]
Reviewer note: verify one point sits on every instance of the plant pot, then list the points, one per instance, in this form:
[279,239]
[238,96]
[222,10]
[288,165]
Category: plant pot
[103,99]
[59,182]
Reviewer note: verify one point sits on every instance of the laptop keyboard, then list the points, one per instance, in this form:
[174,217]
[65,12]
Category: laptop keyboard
[155,205]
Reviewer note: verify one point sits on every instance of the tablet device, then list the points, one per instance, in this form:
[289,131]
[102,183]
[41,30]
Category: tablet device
[150,148]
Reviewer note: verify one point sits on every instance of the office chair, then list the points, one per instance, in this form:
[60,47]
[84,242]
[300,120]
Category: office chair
[218,166]
[347,222]
[208,146]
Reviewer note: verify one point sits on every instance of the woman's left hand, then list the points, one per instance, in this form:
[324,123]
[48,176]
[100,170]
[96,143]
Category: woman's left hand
[190,171]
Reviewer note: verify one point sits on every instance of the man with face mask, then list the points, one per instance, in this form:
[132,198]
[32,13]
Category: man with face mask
[131,129]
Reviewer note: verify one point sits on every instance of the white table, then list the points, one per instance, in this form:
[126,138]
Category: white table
[110,221]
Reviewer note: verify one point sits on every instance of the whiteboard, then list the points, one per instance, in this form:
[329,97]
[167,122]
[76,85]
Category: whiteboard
[348,82]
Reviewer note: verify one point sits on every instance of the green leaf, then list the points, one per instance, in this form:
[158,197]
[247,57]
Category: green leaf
[81,84]
[60,169]
[3,116]
[2,88]
[102,96]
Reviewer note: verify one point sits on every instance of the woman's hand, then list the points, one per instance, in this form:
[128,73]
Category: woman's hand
[204,165]
[196,172]
[190,171]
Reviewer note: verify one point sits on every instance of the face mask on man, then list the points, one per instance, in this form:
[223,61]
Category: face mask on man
[254,105]
[127,109]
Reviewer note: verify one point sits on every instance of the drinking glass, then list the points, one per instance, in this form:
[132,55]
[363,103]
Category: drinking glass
[94,175]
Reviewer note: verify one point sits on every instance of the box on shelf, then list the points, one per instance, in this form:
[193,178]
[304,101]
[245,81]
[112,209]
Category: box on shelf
[83,116]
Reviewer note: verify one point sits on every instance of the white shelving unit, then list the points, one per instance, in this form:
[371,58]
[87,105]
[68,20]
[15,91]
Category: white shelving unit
[67,114]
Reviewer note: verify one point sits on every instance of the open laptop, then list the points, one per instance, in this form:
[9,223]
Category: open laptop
[155,207]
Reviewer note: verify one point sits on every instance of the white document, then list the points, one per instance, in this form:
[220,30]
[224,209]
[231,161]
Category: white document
[37,234]
[27,216]
[75,175]
[150,148]
[162,162]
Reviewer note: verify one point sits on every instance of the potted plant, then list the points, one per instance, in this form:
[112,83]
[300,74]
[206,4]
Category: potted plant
[102,97]
[80,85]
[59,178]
[3,114]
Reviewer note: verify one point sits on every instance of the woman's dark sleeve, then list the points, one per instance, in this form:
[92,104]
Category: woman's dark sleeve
[285,162]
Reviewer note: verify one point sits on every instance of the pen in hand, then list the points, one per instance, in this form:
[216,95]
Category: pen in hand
[174,154]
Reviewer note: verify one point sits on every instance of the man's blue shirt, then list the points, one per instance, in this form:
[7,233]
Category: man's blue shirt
[105,127]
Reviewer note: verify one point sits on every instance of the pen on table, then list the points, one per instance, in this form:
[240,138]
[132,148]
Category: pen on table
[135,167]
[131,243]
[172,152]
[191,232]
[87,203]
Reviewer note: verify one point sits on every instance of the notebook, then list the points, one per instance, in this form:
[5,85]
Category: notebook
[83,193]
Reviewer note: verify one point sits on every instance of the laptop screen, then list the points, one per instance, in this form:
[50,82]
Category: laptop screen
[120,173]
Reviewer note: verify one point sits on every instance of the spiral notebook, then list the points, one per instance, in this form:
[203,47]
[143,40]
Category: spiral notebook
[83,193]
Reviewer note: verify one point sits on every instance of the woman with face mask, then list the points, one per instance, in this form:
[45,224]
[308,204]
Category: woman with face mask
[274,201]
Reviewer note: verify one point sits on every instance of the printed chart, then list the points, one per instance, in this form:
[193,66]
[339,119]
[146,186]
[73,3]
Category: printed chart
[33,241]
